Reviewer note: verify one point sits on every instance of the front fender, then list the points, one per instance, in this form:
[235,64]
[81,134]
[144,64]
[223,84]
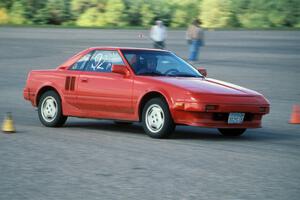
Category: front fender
[170,97]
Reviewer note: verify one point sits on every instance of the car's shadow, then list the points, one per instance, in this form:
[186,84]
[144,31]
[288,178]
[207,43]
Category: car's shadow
[180,133]
[105,125]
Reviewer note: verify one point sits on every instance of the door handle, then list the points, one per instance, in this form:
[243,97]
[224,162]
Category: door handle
[84,80]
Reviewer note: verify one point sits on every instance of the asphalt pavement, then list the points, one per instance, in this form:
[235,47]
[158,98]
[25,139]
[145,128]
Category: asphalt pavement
[96,159]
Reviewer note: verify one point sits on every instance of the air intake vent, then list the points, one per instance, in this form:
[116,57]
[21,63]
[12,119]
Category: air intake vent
[70,83]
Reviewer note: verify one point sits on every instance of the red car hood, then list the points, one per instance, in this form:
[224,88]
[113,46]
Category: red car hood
[208,86]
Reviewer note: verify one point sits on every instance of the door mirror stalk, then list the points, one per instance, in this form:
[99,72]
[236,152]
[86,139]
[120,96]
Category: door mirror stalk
[202,71]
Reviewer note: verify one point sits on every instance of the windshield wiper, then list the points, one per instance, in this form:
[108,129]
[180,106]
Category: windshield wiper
[183,75]
[151,74]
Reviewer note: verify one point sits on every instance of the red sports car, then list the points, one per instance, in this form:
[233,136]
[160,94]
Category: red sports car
[151,86]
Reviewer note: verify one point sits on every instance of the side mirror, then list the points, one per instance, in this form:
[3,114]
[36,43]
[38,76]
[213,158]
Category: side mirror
[120,69]
[202,71]
[62,67]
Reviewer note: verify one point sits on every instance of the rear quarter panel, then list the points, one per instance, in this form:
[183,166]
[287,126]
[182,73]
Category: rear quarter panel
[38,79]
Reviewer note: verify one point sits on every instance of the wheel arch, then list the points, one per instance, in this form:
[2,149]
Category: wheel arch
[44,89]
[150,95]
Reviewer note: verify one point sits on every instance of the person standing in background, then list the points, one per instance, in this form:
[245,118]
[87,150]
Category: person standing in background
[158,34]
[195,38]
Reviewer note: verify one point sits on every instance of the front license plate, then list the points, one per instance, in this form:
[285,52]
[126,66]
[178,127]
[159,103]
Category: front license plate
[236,118]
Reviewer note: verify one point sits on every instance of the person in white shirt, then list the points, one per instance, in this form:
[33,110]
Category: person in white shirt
[158,34]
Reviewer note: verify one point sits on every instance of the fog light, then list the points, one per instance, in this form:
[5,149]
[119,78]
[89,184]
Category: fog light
[211,107]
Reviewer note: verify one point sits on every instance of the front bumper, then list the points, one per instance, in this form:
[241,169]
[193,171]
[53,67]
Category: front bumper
[196,115]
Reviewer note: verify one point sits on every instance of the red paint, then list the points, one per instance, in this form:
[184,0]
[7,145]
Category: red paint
[118,95]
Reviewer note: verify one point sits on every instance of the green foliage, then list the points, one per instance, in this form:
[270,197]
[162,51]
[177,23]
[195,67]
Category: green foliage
[185,12]
[32,7]
[78,7]
[156,9]
[255,15]
[254,20]
[284,13]
[114,13]
[42,16]
[163,10]
[57,11]
[17,13]
[147,15]
[265,14]
[215,13]
[174,13]
[5,4]
[179,19]
[91,17]
[3,16]
[133,11]
[237,7]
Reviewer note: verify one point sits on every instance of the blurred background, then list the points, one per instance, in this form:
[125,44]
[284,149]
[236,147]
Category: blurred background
[95,159]
[142,13]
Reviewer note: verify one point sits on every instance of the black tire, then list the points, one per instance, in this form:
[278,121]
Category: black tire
[50,114]
[161,124]
[232,132]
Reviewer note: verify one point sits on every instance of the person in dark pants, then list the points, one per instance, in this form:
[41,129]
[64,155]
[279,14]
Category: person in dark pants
[195,37]
[158,34]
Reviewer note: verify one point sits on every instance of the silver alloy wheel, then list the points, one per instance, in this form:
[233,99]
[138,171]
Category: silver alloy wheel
[49,109]
[155,118]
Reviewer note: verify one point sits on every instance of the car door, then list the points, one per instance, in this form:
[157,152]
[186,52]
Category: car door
[71,78]
[101,93]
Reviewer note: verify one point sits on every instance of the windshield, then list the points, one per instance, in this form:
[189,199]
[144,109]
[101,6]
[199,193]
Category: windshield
[159,63]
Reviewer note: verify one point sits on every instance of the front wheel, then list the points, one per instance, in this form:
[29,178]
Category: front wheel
[157,120]
[232,132]
[50,110]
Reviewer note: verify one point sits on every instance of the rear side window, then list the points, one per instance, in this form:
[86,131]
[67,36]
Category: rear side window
[79,65]
[102,61]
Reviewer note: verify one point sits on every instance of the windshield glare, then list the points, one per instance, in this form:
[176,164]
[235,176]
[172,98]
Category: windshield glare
[159,63]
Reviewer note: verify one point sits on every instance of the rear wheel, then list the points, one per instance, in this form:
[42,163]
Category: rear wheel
[232,132]
[157,120]
[50,110]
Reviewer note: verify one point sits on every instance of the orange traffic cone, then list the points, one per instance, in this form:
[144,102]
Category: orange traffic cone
[8,124]
[295,117]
